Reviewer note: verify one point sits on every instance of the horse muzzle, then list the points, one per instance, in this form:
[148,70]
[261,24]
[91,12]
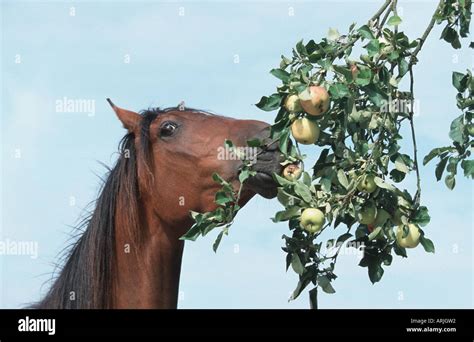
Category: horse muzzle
[267,162]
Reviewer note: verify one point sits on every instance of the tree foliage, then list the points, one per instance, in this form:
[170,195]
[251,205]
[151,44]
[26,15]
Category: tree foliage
[360,137]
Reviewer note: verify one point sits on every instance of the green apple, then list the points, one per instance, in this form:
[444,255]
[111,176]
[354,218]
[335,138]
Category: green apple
[312,220]
[367,184]
[305,131]
[470,129]
[381,218]
[314,100]
[367,214]
[292,104]
[412,239]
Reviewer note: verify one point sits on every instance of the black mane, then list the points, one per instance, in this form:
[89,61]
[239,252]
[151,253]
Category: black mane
[85,280]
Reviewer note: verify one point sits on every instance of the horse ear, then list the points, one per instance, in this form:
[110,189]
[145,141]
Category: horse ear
[129,119]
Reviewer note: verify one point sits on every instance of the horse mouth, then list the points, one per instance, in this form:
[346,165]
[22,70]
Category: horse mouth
[268,163]
[263,184]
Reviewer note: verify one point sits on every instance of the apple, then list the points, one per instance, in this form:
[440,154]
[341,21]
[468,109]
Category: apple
[381,218]
[292,104]
[312,220]
[354,71]
[292,172]
[367,214]
[305,131]
[412,239]
[470,129]
[366,59]
[314,100]
[367,184]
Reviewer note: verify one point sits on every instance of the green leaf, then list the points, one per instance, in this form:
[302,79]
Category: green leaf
[456,132]
[468,167]
[365,32]
[400,165]
[434,153]
[283,140]
[296,264]
[218,179]
[339,90]
[281,181]
[427,244]
[394,20]
[451,36]
[306,179]
[459,81]
[363,77]
[285,215]
[207,227]
[195,215]
[244,175]
[403,67]
[397,176]
[440,167]
[192,234]
[301,49]
[373,48]
[285,198]
[375,271]
[280,74]
[269,103]
[217,242]
[421,216]
[303,191]
[288,260]
[452,165]
[343,238]
[376,95]
[333,34]
[284,62]
[222,197]
[254,143]
[311,46]
[342,178]
[302,283]
[382,184]
[399,250]
[450,182]
[325,284]
[321,160]
[325,184]
[346,72]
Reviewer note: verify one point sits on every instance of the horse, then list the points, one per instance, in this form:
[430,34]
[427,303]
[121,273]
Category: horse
[129,252]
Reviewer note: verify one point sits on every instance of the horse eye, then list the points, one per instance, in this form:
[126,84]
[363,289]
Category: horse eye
[168,128]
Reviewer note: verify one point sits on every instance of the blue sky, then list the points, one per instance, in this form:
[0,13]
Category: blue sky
[191,58]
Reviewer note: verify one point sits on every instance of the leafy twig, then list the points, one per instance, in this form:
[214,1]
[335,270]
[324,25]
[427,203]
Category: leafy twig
[425,35]
[381,10]
[413,137]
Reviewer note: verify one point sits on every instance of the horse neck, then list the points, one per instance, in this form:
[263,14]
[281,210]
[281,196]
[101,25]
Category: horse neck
[148,270]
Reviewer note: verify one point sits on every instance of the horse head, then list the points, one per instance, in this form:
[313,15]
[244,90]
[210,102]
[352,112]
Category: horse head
[178,151]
